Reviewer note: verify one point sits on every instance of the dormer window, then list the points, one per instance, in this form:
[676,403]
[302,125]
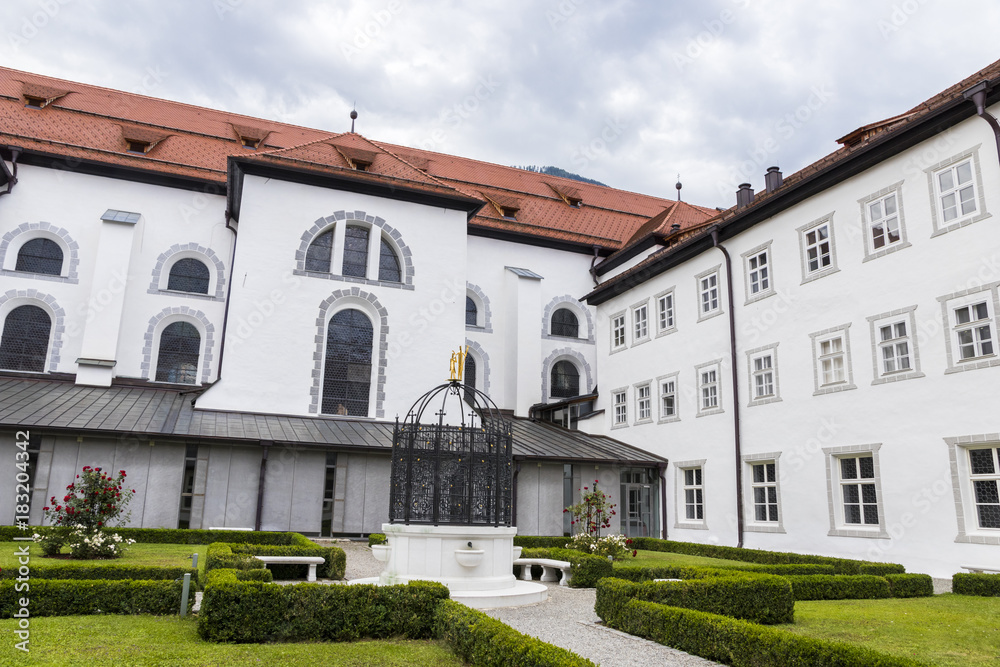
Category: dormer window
[141,140]
[356,158]
[250,142]
[139,146]
[506,207]
[568,194]
[507,212]
[33,102]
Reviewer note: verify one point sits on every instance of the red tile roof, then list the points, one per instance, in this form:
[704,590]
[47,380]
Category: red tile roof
[90,122]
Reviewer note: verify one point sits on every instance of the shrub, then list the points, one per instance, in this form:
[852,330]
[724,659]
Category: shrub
[839,587]
[735,642]
[976,583]
[333,567]
[762,598]
[58,597]
[586,569]
[110,572]
[910,585]
[481,640]
[377,538]
[220,555]
[254,612]
[540,542]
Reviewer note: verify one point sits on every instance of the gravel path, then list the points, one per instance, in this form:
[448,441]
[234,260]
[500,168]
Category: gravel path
[566,619]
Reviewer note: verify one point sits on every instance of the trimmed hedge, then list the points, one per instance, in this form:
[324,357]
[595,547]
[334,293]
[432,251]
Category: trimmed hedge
[220,555]
[377,538]
[486,642]
[976,583]
[586,569]
[540,542]
[255,612]
[187,536]
[60,597]
[839,587]
[735,642]
[910,585]
[333,567]
[761,598]
[88,570]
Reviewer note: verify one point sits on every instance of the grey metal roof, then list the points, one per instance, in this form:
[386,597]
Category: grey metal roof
[157,411]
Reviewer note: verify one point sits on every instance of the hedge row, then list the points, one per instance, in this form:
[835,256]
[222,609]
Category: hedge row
[377,538]
[735,642]
[219,555]
[761,598]
[255,612]
[860,586]
[540,542]
[91,570]
[586,569]
[333,567]
[60,597]
[187,536]
[841,565]
[976,583]
[484,641]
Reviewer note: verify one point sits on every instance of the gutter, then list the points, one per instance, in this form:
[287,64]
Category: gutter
[11,176]
[663,498]
[736,387]
[978,96]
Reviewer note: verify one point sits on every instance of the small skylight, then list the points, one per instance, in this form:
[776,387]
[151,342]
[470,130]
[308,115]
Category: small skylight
[112,215]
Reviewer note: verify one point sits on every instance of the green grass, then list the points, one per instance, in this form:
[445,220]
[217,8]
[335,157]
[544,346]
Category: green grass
[661,558]
[943,630]
[123,641]
[159,555]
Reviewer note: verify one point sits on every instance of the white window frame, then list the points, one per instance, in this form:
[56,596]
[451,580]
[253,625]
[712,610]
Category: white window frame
[680,506]
[666,324]
[640,322]
[752,524]
[619,407]
[753,372]
[661,382]
[822,355]
[894,193]
[893,319]
[835,492]
[808,275]
[705,388]
[643,402]
[618,322]
[962,480]
[709,306]
[950,304]
[761,275]
[941,226]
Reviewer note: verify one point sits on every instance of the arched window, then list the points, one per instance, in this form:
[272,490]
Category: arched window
[356,251]
[40,256]
[319,253]
[388,264]
[471,312]
[25,339]
[470,379]
[177,360]
[188,275]
[348,374]
[564,323]
[565,380]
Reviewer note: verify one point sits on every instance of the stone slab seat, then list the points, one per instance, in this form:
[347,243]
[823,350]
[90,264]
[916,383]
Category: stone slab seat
[549,567]
[974,568]
[311,561]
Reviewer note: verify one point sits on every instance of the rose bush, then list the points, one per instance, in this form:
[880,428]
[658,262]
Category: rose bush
[592,515]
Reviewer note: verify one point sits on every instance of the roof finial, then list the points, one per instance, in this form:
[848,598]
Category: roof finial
[354,115]
[678,186]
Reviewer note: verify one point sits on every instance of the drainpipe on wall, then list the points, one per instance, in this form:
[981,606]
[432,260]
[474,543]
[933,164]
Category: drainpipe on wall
[260,484]
[663,498]
[11,175]
[736,387]
[978,96]
[593,270]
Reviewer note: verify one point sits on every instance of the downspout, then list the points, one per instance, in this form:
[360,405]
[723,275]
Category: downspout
[978,96]
[593,270]
[663,498]
[11,176]
[736,387]
[260,484]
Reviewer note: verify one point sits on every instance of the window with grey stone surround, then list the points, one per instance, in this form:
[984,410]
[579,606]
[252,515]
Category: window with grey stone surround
[619,403]
[585,318]
[762,369]
[832,369]
[974,461]
[666,312]
[854,491]
[818,249]
[708,379]
[574,357]
[484,316]
[883,222]
[709,292]
[175,253]
[640,322]
[358,219]
[669,401]
[14,298]
[971,319]
[618,340]
[14,240]
[763,493]
[482,365]
[643,402]
[895,356]
[689,505]
[157,323]
[956,190]
[758,273]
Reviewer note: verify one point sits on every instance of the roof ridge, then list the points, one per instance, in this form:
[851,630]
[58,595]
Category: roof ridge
[408,164]
[274,151]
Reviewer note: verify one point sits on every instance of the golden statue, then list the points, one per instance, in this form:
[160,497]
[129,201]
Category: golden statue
[457,366]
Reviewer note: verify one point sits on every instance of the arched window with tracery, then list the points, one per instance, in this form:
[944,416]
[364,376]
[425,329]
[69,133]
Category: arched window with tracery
[565,380]
[471,312]
[25,341]
[189,275]
[388,264]
[469,381]
[347,375]
[356,251]
[40,256]
[177,359]
[319,253]
[565,323]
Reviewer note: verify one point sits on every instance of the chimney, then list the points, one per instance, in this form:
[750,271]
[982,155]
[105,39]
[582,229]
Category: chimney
[772,179]
[674,228]
[744,195]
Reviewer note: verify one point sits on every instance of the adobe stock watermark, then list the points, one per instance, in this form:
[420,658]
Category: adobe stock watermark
[22,505]
[705,39]
[562,12]
[597,147]
[455,115]
[425,316]
[243,327]
[921,503]
[899,16]
[30,25]
[371,30]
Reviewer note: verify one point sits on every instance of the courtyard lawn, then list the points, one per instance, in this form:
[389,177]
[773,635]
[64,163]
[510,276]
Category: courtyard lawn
[158,555]
[123,641]
[661,558]
[943,630]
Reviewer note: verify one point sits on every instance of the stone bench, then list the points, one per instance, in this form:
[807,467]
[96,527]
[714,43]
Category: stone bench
[311,561]
[248,530]
[980,570]
[549,568]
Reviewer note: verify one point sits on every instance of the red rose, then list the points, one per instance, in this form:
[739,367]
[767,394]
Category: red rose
[100,523]
[45,509]
[634,553]
[133,490]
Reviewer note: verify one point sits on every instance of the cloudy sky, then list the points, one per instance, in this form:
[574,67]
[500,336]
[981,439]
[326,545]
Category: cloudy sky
[627,92]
